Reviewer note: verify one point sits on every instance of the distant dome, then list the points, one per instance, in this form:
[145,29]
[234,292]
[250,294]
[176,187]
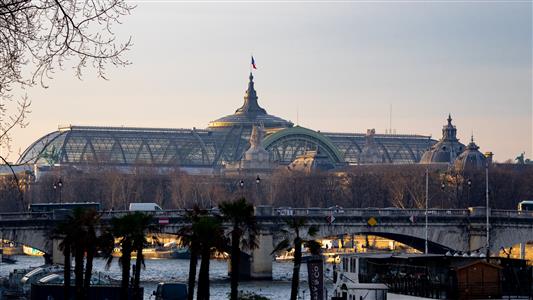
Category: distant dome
[250,113]
[446,149]
[470,159]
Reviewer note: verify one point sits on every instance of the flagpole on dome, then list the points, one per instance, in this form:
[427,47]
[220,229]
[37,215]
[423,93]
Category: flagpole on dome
[252,64]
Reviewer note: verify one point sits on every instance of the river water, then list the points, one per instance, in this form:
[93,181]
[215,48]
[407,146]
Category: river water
[177,270]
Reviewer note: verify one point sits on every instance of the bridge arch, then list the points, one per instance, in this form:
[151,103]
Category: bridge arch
[34,238]
[442,237]
[411,241]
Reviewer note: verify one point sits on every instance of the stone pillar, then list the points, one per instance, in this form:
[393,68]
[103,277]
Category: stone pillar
[261,264]
[523,250]
[477,239]
[57,255]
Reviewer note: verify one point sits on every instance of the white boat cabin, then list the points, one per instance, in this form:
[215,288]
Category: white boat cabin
[348,287]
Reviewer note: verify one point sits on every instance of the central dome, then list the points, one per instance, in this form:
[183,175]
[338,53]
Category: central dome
[250,113]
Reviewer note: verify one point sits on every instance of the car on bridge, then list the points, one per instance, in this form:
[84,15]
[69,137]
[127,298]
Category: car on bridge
[526,205]
[144,207]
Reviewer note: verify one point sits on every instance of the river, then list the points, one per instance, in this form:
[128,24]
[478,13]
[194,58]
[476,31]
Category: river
[158,270]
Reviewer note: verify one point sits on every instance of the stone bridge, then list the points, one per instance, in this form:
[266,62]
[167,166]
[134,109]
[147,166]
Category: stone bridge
[460,230]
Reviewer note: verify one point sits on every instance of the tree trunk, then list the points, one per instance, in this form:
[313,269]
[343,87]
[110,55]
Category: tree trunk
[125,263]
[66,272]
[192,269]
[296,269]
[235,263]
[203,277]
[78,271]
[88,271]
[137,278]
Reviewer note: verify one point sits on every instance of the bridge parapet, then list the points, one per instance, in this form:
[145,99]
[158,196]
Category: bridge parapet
[288,211]
[368,212]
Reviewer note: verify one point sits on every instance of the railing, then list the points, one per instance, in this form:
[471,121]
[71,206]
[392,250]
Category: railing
[512,213]
[305,212]
[363,212]
[26,216]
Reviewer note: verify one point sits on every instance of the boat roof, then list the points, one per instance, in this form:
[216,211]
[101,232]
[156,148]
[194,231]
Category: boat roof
[365,286]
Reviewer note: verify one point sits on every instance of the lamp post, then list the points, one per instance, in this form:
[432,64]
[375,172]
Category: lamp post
[487,208]
[469,182]
[442,187]
[257,182]
[241,186]
[427,200]
[58,186]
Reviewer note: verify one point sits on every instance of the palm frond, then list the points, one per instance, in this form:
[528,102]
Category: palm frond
[315,248]
[283,245]
[312,230]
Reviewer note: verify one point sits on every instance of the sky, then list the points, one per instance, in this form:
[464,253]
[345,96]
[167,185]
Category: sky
[326,65]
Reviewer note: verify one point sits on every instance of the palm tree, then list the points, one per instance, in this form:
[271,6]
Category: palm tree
[121,229]
[243,232]
[79,237]
[296,225]
[131,231]
[189,238]
[87,244]
[143,227]
[90,220]
[67,231]
[210,237]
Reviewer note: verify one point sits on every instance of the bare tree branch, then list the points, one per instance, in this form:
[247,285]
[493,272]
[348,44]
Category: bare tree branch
[38,36]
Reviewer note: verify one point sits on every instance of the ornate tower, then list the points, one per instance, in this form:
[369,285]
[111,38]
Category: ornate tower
[251,106]
[446,149]
[449,131]
[250,114]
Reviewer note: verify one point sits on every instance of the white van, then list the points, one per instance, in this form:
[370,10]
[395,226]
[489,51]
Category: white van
[144,207]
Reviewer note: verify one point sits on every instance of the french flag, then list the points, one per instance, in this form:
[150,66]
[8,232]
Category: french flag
[253,63]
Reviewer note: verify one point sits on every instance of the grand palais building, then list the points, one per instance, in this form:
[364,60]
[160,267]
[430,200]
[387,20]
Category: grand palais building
[224,142]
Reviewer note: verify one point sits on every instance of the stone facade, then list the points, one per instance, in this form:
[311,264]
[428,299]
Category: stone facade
[370,153]
[255,159]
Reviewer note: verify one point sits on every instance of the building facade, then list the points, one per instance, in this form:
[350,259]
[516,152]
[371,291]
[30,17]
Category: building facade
[223,142]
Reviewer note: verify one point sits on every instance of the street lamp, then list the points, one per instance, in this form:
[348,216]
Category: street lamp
[469,182]
[257,182]
[58,186]
[426,248]
[487,212]
[442,187]
[241,186]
